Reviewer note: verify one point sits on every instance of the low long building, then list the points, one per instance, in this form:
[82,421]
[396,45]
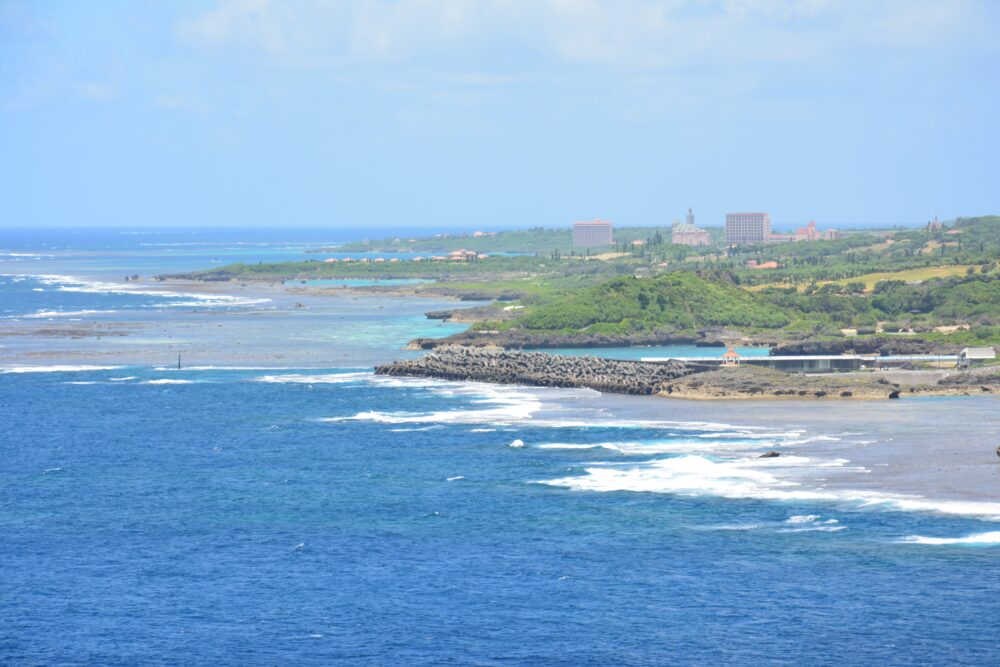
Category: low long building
[818,363]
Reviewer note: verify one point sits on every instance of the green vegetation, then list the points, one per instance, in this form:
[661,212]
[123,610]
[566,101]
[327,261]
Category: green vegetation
[684,303]
[942,285]
[676,301]
[969,242]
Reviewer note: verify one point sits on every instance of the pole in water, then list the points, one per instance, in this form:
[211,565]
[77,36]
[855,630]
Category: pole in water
[178,362]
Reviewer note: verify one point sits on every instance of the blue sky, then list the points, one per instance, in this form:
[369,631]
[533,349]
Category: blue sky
[494,113]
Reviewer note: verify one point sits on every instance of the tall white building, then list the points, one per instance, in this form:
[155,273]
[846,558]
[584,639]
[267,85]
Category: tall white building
[593,233]
[747,228]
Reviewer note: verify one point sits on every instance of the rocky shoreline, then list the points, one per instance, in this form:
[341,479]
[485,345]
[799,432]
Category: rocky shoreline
[515,339]
[887,345]
[678,379]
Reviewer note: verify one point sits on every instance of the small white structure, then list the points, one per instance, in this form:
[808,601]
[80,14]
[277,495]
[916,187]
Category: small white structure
[970,355]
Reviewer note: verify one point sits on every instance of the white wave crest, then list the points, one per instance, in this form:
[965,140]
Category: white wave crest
[679,446]
[989,538]
[56,369]
[812,522]
[168,381]
[325,378]
[507,407]
[690,475]
[48,314]
[414,429]
[762,479]
[566,445]
[75,284]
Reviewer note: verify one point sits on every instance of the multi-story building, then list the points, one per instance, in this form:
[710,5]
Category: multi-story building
[747,228]
[593,233]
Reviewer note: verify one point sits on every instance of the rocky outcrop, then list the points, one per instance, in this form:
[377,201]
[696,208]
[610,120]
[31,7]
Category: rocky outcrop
[517,339]
[541,370]
[986,377]
[900,345]
[757,383]
[474,314]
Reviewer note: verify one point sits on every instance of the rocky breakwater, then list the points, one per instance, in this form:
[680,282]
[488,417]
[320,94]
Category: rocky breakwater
[541,370]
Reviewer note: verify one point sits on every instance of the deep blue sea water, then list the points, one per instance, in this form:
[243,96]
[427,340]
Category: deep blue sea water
[324,515]
[116,252]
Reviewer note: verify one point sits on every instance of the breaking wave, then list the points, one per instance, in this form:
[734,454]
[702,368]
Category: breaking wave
[760,479]
[981,539]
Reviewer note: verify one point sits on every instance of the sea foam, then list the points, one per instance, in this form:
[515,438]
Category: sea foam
[325,378]
[56,369]
[779,479]
[982,539]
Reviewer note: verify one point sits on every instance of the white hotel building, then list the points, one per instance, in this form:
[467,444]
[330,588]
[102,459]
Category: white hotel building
[747,228]
[593,233]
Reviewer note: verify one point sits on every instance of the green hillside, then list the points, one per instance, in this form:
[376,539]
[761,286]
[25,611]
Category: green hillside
[678,301]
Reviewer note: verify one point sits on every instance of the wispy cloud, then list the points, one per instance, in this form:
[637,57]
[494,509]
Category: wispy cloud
[627,33]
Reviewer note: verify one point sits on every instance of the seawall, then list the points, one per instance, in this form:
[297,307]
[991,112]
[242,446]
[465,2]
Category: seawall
[541,370]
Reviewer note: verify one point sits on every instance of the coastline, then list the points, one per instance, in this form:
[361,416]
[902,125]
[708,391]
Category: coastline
[681,380]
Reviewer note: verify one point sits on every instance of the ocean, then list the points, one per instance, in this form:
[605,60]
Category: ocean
[273,501]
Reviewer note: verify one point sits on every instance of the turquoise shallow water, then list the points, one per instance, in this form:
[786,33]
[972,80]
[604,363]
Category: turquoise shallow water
[255,509]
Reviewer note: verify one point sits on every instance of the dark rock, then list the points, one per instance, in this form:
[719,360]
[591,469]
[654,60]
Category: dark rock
[869,345]
[894,393]
[515,339]
[773,455]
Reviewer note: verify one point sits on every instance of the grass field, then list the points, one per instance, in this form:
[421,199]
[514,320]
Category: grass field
[909,275]
[870,279]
